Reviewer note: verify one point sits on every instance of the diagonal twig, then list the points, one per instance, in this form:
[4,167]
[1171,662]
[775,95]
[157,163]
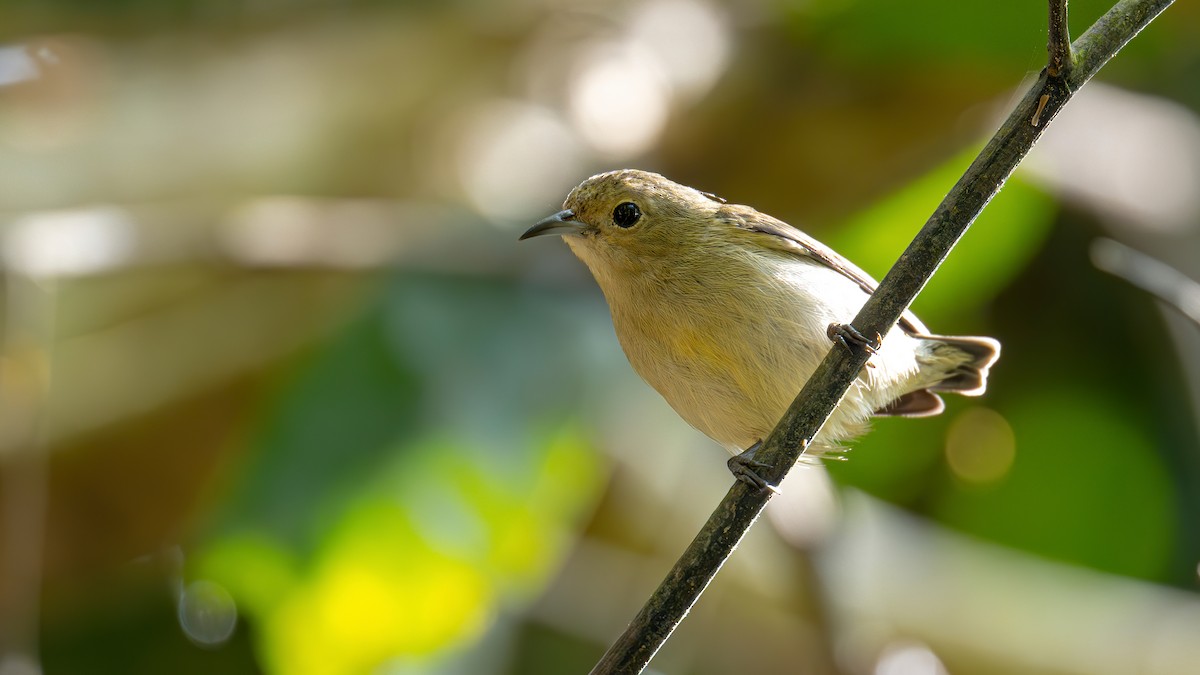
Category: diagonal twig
[741,506]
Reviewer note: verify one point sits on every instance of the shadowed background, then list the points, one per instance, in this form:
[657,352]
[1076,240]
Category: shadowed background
[280,392]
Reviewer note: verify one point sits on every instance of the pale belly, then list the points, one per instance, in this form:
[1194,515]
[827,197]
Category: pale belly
[732,374]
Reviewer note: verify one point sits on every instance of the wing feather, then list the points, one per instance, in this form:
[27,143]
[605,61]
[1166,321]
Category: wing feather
[784,237]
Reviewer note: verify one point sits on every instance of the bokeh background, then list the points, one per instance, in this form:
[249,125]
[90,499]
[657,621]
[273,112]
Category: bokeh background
[281,393]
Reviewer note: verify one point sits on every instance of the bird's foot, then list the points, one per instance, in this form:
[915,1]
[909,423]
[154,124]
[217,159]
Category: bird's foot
[743,467]
[846,335]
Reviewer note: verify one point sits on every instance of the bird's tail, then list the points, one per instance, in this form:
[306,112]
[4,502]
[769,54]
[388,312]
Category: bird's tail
[958,364]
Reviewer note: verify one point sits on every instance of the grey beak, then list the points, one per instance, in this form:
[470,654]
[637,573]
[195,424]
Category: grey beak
[560,223]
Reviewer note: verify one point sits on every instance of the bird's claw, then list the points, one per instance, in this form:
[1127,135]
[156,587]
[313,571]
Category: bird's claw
[845,334]
[743,468]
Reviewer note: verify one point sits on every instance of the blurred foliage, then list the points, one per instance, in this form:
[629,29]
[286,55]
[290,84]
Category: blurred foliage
[1121,483]
[864,32]
[299,357]
[1004,239]
[375,525]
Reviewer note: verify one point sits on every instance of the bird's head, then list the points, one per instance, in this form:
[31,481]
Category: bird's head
[631,221]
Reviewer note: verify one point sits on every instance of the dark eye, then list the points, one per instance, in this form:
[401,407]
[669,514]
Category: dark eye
[626,214]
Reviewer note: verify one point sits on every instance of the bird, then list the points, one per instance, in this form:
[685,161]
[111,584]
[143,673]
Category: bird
[726,312]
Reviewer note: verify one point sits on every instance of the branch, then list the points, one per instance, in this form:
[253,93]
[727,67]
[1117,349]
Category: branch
[741,506]
[1059,45]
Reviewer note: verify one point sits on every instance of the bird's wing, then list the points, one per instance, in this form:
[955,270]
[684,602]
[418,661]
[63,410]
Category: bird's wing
[784,237]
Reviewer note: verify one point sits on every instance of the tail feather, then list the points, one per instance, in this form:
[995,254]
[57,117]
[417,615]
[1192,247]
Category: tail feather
[919,403]
[964,361]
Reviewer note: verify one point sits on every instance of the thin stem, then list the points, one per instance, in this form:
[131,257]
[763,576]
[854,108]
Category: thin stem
[1059,44]
[1149,274]
[741,506]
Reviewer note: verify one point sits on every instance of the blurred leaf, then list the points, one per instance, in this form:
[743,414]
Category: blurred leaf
[418,563]
[997,247]
[378,590]
[329,428]
[400,496]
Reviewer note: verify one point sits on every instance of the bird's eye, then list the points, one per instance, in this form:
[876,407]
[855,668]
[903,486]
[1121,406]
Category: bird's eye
[626,214]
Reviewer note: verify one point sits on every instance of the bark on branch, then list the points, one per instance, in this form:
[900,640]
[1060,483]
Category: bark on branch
[1065,73]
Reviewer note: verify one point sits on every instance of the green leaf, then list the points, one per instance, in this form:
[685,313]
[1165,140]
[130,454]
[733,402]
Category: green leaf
[998,246]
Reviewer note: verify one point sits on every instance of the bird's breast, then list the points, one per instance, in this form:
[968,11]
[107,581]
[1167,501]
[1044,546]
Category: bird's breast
[728,362]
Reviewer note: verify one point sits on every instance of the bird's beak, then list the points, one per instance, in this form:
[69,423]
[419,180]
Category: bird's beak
[560,223]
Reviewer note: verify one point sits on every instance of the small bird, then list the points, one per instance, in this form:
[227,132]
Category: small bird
[727,312]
